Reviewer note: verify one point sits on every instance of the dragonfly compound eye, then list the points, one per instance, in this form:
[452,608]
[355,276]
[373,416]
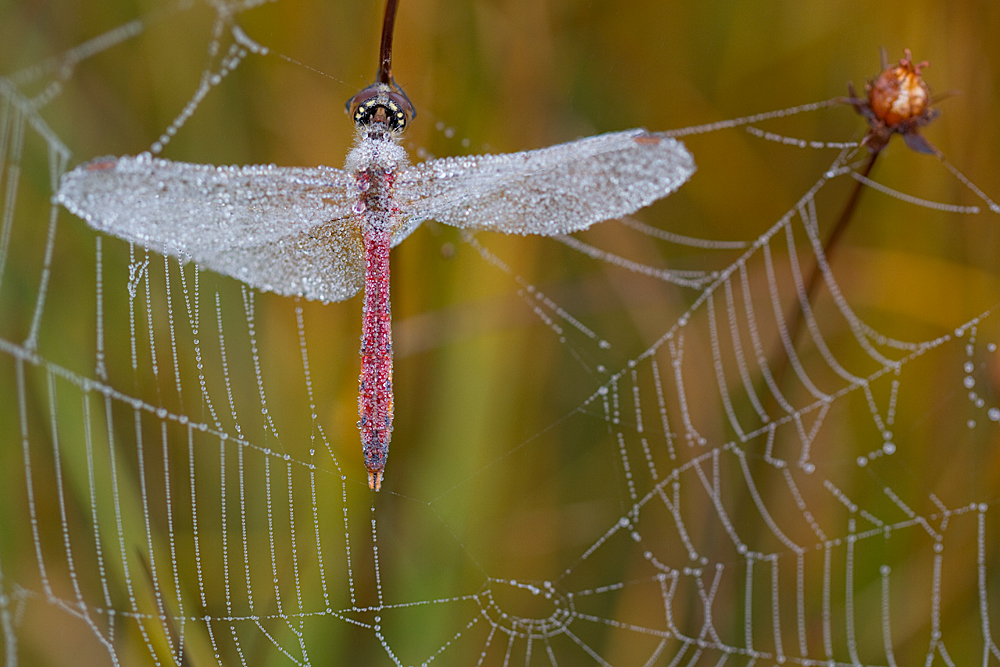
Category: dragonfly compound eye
[381,104]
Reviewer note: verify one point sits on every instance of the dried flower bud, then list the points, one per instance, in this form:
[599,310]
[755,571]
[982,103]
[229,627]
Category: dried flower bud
[898,102]
[899,94]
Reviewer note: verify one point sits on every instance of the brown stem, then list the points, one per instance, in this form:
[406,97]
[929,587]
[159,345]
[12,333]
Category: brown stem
[796,318]
[385,51]
[838,231]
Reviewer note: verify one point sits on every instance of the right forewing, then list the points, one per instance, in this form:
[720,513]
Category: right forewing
[549,191]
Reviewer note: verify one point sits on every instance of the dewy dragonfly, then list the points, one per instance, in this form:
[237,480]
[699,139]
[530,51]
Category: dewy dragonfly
[323,233]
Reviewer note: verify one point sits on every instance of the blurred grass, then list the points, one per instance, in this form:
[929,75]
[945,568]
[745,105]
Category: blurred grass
[476,373]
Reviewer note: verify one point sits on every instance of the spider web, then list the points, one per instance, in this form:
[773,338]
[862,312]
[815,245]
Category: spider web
[659,448]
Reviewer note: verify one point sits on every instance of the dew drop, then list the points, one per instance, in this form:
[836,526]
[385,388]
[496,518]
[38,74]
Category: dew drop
[993,414]
[969,382]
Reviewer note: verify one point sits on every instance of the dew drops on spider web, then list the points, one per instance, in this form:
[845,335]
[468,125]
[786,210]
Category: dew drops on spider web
[969,382]
[808,468]
[971,423]
[969,367]
[993,414]
[889,448]
[862,461]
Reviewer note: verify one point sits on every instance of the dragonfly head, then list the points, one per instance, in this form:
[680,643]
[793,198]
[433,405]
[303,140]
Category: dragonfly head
[381,105]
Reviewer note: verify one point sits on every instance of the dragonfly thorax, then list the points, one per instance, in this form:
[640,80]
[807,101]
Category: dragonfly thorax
[376,152]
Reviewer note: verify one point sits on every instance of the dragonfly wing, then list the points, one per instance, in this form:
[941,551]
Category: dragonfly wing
[324,264]
[551,191]
[281,229]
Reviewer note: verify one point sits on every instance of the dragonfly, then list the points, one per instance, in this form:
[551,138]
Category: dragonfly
[323,233]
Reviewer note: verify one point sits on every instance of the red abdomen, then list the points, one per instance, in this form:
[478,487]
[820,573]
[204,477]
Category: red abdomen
[375,395]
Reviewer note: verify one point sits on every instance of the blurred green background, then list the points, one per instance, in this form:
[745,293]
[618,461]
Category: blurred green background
[491,473]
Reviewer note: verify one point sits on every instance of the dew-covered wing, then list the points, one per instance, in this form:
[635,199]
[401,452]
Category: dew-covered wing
[550,191]
[280,229]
